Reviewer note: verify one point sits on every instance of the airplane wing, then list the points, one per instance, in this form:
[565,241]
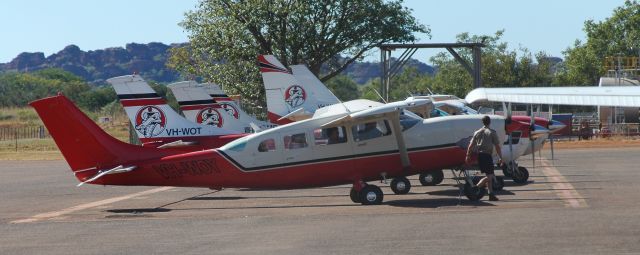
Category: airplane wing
[622,96]
[379,111]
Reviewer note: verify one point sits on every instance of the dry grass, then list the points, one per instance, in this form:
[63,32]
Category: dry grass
[612,142]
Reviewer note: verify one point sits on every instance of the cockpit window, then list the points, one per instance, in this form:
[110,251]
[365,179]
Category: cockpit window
[332,135]
[370,130]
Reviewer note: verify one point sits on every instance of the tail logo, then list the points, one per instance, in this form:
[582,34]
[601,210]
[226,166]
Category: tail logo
[209,116]
[150,121]
[295,96]
[230,109]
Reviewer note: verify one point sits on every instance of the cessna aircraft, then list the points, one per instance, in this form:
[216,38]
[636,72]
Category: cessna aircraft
[289,99]
[196,102]
[444,105]
[349,143]
[158,125]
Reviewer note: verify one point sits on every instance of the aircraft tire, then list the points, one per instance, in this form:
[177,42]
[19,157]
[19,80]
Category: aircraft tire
[473,193]
[521,175]
[355,196]
[400,185]
[431,178]
[371,195]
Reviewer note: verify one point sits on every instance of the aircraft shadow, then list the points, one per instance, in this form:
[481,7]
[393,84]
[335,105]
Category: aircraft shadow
[435,203]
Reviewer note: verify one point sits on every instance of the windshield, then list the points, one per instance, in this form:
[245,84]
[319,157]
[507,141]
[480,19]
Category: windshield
[408,120]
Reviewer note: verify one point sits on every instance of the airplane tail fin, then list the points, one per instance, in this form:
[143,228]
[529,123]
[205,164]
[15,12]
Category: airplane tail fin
[153,118]
[319,91]
[84,145]
[284,92]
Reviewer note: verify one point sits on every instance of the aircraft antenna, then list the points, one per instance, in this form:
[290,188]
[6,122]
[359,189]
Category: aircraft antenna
[380,96]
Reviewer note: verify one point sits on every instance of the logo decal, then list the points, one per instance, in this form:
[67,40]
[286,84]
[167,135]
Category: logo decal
[230,109]
[209,116]
[150,121]
[295,96]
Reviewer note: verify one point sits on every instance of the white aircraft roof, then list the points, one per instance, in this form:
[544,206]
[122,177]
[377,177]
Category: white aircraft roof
[623,96]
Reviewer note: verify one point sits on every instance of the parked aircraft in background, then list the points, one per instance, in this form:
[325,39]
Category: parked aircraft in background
[158,125]
[221,97]
[349,143]
[199,107]
[288,99]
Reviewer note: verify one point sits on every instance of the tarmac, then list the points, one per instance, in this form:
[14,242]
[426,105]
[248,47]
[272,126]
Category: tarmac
[582,202]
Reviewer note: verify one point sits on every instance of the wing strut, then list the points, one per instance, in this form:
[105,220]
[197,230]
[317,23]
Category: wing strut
[402,147]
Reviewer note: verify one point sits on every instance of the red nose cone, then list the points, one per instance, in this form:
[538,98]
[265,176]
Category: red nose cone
[516,125]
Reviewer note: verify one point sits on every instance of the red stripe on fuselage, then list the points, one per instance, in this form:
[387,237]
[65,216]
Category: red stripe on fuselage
[142,102]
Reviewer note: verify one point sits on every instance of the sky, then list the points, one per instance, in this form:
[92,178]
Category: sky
[48,26]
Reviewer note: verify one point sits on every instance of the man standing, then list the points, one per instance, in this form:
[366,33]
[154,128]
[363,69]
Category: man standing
[482,143]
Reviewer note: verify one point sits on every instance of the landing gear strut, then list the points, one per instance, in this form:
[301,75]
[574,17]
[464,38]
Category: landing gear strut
[469,189]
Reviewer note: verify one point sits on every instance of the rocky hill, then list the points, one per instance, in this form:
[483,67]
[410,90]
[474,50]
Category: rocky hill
[95,66]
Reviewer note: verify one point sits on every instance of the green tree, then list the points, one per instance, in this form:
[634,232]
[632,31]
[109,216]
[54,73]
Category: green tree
[227,35]
[618,35]
[501,67]
[344,88]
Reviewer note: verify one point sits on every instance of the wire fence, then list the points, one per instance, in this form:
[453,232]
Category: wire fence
[27,132]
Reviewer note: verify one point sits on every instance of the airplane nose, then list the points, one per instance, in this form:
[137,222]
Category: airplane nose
[555,125]
[539,130]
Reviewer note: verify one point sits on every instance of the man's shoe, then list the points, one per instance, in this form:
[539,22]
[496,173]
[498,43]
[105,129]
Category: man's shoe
[493,197]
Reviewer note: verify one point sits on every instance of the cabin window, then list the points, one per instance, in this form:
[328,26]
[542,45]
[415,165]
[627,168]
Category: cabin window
[295,141]
[370,130]
[329,136]
[267,145]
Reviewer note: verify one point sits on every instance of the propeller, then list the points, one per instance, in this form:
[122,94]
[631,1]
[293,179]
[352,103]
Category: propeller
[531,140]
[507,113]
[551,133]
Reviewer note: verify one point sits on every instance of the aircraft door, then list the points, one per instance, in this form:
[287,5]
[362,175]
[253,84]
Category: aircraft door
[331,143]
[373,137]
[296,146]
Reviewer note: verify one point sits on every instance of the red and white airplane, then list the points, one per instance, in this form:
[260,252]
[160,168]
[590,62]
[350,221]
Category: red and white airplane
[444,104]
[349,143]
[197,102]
[158,125]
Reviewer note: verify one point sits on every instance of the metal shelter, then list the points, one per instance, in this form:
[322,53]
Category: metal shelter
[389,70]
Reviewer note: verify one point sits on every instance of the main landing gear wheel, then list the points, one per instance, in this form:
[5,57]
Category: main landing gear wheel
[472,192]
[498,183]
[355,196]
[400,185]
[431,178]
[371,195]
[521,175]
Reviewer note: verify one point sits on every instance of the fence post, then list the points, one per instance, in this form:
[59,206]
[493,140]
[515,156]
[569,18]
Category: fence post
[16,136]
